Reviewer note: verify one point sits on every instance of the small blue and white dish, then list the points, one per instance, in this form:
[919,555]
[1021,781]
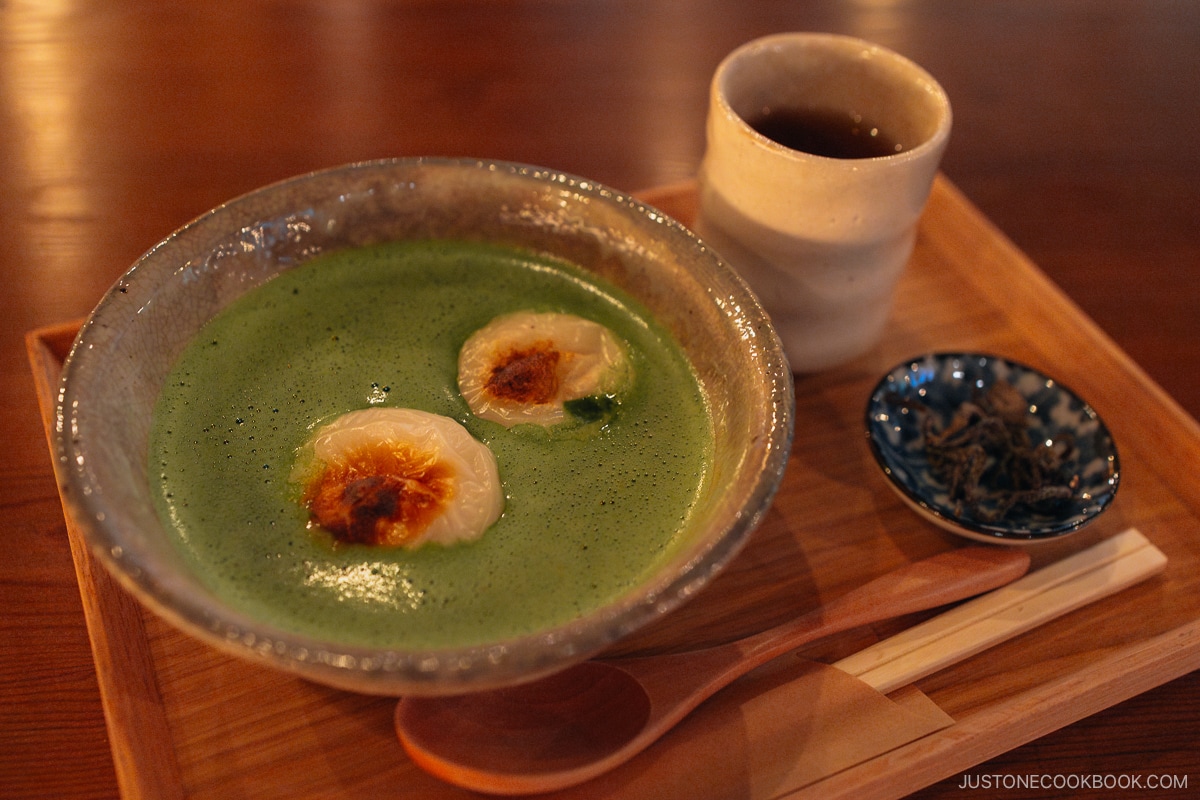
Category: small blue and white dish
[991,449]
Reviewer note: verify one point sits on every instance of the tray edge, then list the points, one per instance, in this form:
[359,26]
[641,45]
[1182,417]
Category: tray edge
[138,731]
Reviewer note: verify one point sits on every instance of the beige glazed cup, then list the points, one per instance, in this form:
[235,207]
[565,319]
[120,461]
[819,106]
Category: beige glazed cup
[822,240]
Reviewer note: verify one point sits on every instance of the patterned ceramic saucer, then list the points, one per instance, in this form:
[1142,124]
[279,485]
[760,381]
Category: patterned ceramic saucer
[937,426]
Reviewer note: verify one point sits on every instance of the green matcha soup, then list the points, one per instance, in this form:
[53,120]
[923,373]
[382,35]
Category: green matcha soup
[589,509]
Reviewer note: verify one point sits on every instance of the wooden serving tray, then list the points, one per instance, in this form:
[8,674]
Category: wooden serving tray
[188,722]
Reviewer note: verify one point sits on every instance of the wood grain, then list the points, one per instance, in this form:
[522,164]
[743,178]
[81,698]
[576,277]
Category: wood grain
[121,120]
[143,753]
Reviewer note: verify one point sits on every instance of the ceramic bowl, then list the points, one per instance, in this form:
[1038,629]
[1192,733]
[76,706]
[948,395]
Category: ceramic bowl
[124,351]
[922,419]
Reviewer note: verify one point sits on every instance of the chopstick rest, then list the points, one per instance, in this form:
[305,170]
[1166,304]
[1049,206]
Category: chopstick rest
[1101,570]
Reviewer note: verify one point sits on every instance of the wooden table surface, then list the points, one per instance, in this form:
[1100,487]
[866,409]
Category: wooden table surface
[119,121]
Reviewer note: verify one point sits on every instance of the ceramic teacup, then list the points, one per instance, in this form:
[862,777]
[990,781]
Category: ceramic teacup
[821,153]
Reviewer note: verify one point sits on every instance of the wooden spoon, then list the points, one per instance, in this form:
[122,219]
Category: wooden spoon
[576,724]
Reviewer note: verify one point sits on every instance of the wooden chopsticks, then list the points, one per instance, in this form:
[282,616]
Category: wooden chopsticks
[1101,570]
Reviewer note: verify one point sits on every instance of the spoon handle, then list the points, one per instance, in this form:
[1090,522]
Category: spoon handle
[944,578]
[590,718]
